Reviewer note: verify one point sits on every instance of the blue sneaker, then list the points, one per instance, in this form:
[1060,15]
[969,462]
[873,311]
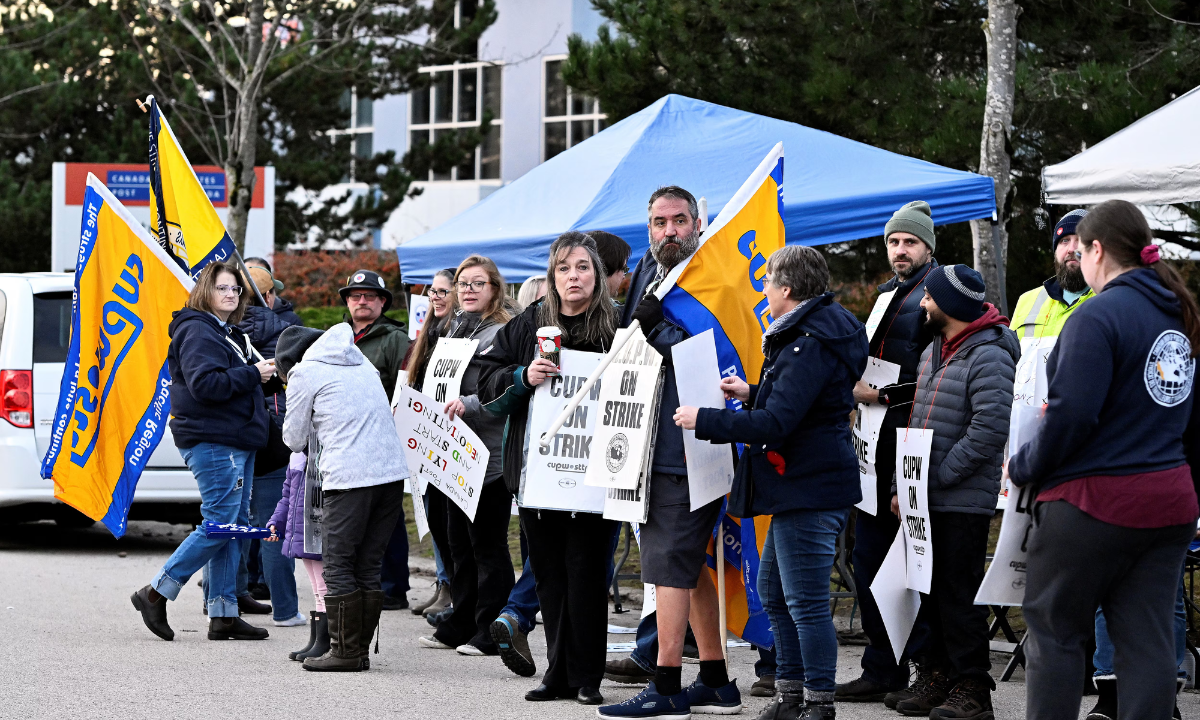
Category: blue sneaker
[648,705]
[719,701]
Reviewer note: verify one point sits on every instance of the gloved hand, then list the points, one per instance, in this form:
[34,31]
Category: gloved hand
[649,312]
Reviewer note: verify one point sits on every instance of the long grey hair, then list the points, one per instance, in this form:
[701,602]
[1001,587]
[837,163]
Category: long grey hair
[600,318]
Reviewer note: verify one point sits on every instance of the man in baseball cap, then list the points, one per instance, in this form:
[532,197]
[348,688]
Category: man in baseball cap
[385,342]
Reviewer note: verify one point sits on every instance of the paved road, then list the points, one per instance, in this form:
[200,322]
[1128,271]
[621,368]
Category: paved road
[73,647]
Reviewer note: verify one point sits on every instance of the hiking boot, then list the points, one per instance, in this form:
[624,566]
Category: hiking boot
[970,698]
[234,628]
[373,604]
[419,608]
[785,706]
[818,711]
[863,689]
[439,617]
[926,696]
[893,698]
[513,645]
[763,687]
[441,601]
[345,613]
[627,672]
[725,700]
[1106,705]
[154,614]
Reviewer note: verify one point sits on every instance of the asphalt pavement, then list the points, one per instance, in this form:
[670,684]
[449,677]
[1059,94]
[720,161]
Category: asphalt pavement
[74,647]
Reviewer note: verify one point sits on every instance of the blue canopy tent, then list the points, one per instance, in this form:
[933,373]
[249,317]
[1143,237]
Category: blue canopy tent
[834,189]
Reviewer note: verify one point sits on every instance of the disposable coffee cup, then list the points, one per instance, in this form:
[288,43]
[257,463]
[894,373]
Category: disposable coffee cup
[549,340]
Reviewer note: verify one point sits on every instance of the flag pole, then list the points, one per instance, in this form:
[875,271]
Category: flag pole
[721,591]
[618,343]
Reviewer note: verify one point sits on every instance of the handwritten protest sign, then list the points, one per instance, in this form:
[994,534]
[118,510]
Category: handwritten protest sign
[553,476]
[441,452]
[913,447]
[447,365]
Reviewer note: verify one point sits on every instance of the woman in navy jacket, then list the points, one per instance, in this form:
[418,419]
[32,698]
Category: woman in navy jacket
[800,466]
[1116,502]
[218,420]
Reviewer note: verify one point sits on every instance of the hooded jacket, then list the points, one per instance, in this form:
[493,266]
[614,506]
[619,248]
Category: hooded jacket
[965,394]
[335,393]
[385,343]
[216,392]
[487,425]
[1120,388]
[800,453]
[288,517]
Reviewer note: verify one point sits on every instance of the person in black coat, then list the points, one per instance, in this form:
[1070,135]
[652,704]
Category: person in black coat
[800,466]
[218,420]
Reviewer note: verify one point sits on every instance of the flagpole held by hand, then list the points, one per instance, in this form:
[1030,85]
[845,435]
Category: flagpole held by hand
[618,343]
[721,591]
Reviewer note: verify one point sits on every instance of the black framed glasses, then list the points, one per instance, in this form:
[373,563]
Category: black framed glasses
[476,286]
[438,293]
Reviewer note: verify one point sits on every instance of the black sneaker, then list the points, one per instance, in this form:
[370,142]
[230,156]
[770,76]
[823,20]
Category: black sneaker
[234,628]
[863,689]
[971,698]
[926,696]
[1106,704]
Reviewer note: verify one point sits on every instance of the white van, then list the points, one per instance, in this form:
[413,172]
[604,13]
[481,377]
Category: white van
[35,334]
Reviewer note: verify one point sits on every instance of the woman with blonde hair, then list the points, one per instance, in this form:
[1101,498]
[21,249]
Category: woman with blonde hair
[218,419]
[483,573]
[531,291]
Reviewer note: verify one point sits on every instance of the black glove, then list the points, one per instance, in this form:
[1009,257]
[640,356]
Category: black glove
[649,312]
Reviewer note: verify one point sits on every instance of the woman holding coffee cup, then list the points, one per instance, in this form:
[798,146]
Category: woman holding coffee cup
[567,550]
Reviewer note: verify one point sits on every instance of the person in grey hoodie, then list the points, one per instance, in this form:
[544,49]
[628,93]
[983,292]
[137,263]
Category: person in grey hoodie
[335,395]
[964,395]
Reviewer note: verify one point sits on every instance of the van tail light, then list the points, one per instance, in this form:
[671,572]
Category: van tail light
[16,397]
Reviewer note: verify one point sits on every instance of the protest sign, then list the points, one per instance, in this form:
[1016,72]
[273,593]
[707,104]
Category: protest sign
[709,466]
[629,395]
[898,604]
[632,506]
[418,312]
[552,478]
[441,452]
[314,541]
[420,515]
[868,422]
[913,447]
[1004,583]
[881,305]
[446,368]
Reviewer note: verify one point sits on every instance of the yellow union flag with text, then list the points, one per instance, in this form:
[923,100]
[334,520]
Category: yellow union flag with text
[114,400]
[181,213]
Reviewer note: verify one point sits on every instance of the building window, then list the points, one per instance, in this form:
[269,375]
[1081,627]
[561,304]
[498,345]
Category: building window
[361,129]
[568,117]
[455,102]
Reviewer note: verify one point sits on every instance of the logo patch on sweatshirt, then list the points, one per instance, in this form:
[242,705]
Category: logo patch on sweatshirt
[1170,369]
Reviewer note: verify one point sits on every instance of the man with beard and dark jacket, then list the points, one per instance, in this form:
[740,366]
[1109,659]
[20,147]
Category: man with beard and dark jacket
[899,337]
[964,395]
[385,342]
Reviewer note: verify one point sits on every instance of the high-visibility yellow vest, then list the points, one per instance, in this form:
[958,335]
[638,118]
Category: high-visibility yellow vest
[1039,315]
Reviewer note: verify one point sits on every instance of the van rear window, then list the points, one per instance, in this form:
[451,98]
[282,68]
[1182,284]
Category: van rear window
[51,327]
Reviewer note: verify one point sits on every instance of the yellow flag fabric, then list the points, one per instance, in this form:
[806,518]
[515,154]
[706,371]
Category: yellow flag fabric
[181,213]
[114,399]
[744,613]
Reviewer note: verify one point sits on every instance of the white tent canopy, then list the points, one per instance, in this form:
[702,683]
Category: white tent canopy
[1155,161]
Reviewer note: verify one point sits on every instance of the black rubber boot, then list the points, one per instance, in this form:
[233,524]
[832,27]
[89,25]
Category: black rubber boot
[1106,704]
[312,638]
[372,608]
[345,635]
[321,642]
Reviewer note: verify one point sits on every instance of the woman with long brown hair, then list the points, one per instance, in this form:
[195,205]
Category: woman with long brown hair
[218,419]
[482,576]
[1116,502]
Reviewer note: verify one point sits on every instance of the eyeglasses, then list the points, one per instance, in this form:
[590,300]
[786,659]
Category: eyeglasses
[229,289]
[476,286]
[362,297]
[438,293]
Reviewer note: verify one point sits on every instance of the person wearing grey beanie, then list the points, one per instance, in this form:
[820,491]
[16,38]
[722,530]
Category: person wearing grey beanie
[915,218]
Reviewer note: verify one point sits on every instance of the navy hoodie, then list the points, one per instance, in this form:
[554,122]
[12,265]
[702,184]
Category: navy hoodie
[1120,388]
[216,395]
[800,453]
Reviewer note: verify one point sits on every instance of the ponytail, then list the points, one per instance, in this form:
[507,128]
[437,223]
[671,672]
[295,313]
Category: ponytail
[1126,235]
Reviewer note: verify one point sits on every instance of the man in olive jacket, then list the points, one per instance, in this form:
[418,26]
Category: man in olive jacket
[384,341]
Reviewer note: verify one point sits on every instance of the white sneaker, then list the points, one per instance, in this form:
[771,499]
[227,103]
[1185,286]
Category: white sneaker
[428,641]
[293,621]
[469,649]
[538,618]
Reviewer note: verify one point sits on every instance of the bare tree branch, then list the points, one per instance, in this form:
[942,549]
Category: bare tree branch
[28,90]
[219,67]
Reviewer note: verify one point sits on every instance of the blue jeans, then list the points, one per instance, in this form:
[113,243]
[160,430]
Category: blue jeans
[766,663]
[1103,657]
[645,651]
[224,475]
[523,600]
[279,572]
[793,580]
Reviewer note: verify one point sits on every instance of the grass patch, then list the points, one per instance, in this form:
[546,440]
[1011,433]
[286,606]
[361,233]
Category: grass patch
[324,318]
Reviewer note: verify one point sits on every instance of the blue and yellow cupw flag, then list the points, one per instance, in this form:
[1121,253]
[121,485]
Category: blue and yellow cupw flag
[181,214]
[114,400]
[721,288]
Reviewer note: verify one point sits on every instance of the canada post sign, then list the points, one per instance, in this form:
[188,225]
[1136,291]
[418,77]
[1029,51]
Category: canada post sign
[134,185]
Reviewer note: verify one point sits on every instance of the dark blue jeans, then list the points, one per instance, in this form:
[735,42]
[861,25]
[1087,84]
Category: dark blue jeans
[279,572]
[523,600]
[793,580]
[394,576]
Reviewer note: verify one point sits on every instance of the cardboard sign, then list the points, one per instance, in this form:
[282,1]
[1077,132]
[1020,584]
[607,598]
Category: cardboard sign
[898,605]
[552,477]
[913,447]
[441,452]
[868,422]
[709,466]
[876,316]
[628,401]
[314,512]
[418,312]
[447,365]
